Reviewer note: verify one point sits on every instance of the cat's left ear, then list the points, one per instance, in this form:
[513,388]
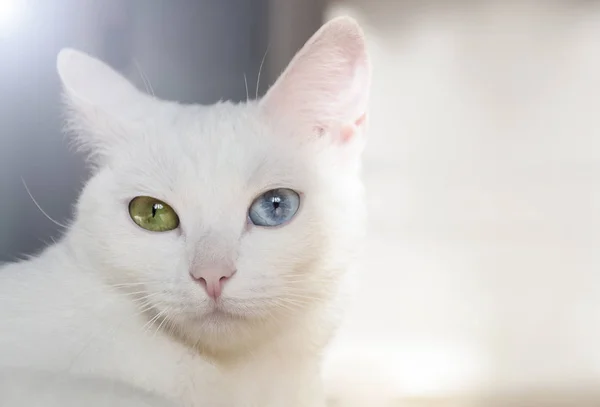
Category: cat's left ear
[325,88]
[102,105]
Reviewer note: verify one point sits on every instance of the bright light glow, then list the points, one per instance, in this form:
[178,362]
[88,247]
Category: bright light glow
[11,13]
[393,370]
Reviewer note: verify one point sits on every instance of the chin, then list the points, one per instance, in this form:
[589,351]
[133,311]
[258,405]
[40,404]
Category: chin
[224,328]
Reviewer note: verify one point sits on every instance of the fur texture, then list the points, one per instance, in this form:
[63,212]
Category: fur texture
[113,300]
[63,390]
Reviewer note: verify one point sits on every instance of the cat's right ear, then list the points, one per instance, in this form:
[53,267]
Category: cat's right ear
[101,103]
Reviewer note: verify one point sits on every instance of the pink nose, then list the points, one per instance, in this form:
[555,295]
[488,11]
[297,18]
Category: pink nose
[212,279]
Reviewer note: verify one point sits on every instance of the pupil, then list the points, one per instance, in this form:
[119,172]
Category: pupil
[155,208]
[276,201]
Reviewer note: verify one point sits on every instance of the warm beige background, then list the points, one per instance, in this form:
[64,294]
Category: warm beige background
[482,270]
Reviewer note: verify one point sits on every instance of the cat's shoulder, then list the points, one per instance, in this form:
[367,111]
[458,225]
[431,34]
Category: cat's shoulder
[45,271]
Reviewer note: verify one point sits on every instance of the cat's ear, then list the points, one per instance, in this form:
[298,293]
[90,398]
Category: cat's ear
[325,88]
[101,103]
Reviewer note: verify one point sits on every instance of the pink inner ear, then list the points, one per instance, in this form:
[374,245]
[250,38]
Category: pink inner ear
[346,133]
[359,122]
[327,83]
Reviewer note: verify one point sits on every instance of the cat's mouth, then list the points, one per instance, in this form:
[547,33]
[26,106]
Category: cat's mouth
[220,310]
[214,316]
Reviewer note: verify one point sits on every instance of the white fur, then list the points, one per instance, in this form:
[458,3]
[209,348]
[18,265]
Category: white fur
[115,301]
[30,387]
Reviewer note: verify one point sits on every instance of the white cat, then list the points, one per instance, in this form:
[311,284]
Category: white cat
[211,246]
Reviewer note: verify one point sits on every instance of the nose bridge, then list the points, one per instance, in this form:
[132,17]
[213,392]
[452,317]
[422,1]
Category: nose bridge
[212,248]
[214,223]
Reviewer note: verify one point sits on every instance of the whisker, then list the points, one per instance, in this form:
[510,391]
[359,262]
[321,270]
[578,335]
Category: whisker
[150,323]
[147,306]
[164,318]
[145,297]
[145,79]
[40,208]
[131,284]
[246,84]
[285,305]
[171,325]
[135,293]
[260,70]
[300,295]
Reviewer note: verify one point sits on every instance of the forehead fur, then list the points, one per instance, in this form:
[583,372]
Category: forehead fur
[225,146]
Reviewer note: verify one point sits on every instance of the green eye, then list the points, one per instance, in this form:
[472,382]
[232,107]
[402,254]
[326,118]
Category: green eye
[152,214]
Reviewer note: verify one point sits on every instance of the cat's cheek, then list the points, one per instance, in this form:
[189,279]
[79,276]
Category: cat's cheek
[272,261]
[126,252]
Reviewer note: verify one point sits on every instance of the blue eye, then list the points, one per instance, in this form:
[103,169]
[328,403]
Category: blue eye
[274,207]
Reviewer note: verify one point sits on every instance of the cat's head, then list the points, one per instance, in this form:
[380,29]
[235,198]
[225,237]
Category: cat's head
[227,222]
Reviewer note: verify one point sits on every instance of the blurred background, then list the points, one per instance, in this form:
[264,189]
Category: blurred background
[480,283]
